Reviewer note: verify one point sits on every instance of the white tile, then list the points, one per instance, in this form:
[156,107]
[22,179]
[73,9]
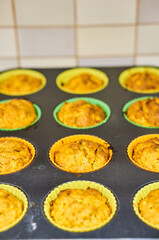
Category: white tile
[148,39]
[7,43]
[46,42]
[148,60]
[105,41]
[6,14]
[106,62]
[148,11]
[48,62]
[8,64]
[106,11]
[44,12]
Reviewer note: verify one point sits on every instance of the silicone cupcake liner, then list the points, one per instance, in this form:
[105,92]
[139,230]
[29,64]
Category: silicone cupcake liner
[127,73]
[38,112]
[80,185]
[142,193]
[60,143]
[65,76]
[128,104]
[132,145]
[32,73]
[29,145]
[94,101]
[20,195]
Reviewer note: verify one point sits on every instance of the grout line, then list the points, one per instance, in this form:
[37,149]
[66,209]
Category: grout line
[75,34]
[16,33]
[136,31]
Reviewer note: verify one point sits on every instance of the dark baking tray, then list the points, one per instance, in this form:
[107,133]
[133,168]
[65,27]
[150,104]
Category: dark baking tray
[120,175]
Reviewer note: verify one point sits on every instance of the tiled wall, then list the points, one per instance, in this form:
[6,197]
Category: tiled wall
[69,33]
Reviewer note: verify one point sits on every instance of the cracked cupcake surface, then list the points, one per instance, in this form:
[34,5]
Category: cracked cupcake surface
[149,207]
[143,81]
[16,113]
[83,83]
[20,84]
[15,154]
[146,154]
[145,112]
[82,156]
[80,114]
[11,208]
[80,208]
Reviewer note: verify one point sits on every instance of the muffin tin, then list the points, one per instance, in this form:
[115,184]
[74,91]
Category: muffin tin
[121,176]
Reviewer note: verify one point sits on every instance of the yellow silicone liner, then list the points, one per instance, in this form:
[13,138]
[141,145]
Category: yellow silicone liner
[127,73]
[142,193]
[132,145]
[65,76]
[28,144]
[7,74]
[20,195]
[60,143]
[80,185]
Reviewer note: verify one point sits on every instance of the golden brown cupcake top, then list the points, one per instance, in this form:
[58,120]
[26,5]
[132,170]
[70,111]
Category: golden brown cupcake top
[15,154]
[20,84]
[83,83]
[80,114]
[143,81]
[146,154]
[82,156]
[149,207]
[80,208]
[145,112]
[16,113]
[11,208]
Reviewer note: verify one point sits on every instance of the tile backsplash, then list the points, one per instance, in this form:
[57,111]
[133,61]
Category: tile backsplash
[70,33]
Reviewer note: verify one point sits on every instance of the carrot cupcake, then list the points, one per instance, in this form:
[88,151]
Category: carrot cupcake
[21,82]
[16,113]
[144,112]
[15,154]
[82,80]
[80,153]
[140,79]
[144,152]
[80,206]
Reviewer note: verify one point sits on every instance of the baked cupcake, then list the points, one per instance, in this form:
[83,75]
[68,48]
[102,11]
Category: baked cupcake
[140,79]
[146,204]
[80,206]
[13,206]
[15,154]
[143,111]
[80,153]
[144,152]
[82,80]
[82,113]
[17,114]
[21,82]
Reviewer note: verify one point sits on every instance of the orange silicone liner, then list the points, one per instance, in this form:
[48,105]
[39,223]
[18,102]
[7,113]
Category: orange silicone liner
[20,195]
[80,185]
[142,193]
[59,144]
[65,76]
[28,144]
[128,72]
[132,145]
[7,74]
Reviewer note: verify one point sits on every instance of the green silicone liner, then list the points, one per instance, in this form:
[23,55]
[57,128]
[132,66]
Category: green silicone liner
[127,105]
[33,73]
[65,76]
[38,112]
[94,101]
[128,72]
